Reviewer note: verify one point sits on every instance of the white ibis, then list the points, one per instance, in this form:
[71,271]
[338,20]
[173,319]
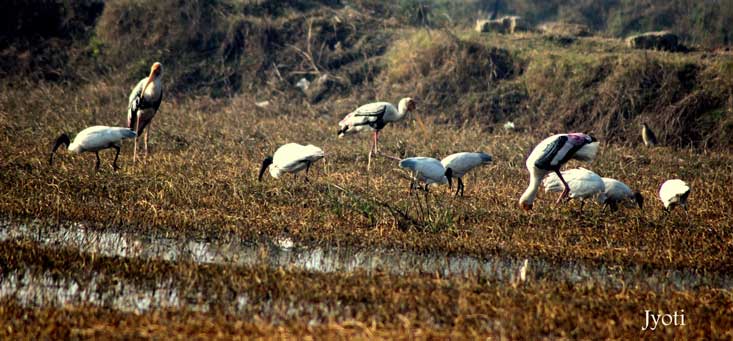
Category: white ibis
[583,184]
[291,158]
[94,139]
[374,117]
[674,192]
[549,155]
[618,192]
[428,170]
[648,136]
[461,163]
[143,104]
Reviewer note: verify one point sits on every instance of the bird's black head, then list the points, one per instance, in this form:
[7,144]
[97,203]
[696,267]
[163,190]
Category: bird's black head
[265,163]
[639,200]
[62,139]
[449,175]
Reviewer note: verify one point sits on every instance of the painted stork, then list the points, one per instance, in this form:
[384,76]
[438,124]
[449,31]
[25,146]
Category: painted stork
[674,192]
[618,192]
[374,117]
[94,139]
[291,158]
[648,136]
[143,104]
[583,184]
[428,170]
[461,163]
[549,155]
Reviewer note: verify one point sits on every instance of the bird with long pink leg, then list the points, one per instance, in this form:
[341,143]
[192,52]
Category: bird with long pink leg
[143,104]
[374,117]
[550,155]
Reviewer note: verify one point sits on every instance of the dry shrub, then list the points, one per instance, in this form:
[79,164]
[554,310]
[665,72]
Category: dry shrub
[683,100]
[446,72]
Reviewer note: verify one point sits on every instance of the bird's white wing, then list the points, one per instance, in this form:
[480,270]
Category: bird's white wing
[582,182]
[616,190]
[360,118]
[292,156]
[428,169]
[96,137]
[463,162]
[672,190]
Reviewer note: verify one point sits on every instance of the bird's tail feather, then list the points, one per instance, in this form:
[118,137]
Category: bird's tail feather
[552,183]
[587,152]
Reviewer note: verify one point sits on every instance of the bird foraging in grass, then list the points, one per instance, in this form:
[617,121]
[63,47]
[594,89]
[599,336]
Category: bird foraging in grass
[143,104]
[94,139]
[674,192]
[427,170]
[617,192]
[549,155]
[462,163]
[583,184]
[374,117]
[647,135]
[291,158]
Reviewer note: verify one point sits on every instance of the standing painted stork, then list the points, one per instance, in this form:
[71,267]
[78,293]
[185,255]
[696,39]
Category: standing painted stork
[648,136]
[428,170]
[461,163]
[549,155]
[291,158]
[374,117]
[94,139]
[583,184]
[618,192]
[143,104]
[674,192]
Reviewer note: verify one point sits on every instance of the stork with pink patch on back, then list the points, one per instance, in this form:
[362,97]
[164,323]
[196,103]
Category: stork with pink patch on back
[550,155]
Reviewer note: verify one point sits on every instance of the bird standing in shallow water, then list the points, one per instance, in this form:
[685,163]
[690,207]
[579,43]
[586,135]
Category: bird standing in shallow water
[549,155]
[674,192]
[583,184]
[143,104]
[291,158]
[374,117]
[461,163]
[94,139]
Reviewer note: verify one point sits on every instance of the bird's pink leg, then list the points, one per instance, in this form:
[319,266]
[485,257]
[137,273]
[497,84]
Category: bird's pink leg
[137,129]
[565,191]
[376,142]
[146,138]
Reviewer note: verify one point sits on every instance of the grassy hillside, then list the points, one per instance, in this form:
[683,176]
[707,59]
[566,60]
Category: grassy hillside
[359,51]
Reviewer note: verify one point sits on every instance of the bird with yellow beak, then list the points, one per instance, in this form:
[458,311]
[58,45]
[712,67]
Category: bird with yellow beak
[143,104]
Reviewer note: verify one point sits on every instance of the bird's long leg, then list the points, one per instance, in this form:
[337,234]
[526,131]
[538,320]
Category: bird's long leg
[461,186]
[117,155]
[582,202]
[376,142]
[137,129]
[307,168]
[147,131]
[566,191]
[98,161]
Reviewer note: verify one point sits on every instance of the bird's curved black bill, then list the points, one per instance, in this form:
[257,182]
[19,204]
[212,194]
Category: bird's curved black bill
[265,163]
[63,139]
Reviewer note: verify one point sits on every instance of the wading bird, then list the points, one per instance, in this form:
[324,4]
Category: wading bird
[374,117]
[291,158]
[94,139]
[648,136]
[549,155]
[618,192]
[583,184]
[428,170]
[674,192]
[143,104]
[461,163]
